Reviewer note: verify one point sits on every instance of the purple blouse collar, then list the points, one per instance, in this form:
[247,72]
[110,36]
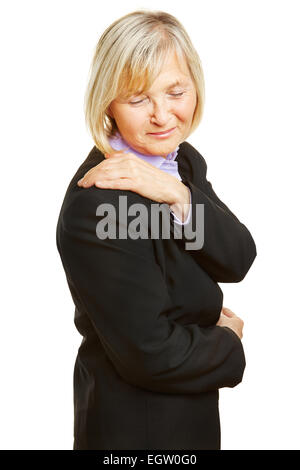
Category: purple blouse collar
[119,143]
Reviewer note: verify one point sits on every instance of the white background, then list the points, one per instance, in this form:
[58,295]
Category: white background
[249,137]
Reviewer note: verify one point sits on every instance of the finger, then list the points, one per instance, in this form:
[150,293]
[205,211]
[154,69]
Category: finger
[119,156]
[79,182]
[84,183]
[104,173]
[86,179]
[114,173]
[229,313]
[119,183]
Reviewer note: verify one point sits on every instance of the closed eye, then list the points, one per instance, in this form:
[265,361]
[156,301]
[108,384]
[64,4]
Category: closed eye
[176,95]
[136,102]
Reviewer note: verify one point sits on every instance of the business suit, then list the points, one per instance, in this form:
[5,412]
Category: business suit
[152,359]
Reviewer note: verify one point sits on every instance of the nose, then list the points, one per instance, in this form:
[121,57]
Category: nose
[160,113]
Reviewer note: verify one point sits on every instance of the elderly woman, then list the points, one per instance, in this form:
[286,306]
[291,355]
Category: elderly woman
[157,343]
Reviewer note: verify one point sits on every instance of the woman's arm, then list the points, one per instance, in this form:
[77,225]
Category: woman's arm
[122,290]
[228,249]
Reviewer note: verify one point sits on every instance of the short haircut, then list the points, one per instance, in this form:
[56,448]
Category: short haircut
[127,59]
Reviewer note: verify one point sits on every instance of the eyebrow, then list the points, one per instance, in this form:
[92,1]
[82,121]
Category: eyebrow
[177,82]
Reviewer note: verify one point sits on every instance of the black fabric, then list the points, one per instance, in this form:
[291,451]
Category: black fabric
[152,358]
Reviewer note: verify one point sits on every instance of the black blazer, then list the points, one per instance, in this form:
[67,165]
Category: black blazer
[152,358]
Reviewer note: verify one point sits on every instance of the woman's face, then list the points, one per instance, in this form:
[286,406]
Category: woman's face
[166,105]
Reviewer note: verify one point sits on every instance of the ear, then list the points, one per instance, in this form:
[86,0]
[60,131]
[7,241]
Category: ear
[109,112]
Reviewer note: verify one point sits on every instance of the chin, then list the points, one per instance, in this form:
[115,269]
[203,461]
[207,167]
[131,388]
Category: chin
[163,146]
[162,149]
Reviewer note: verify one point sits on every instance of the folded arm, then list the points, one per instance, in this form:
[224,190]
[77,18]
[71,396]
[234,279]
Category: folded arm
[228,249]
[122,291]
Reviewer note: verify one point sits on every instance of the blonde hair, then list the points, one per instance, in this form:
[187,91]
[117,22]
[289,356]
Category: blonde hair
[127,59]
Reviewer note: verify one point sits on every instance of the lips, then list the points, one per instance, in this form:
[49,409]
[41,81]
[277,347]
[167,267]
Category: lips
[162,132]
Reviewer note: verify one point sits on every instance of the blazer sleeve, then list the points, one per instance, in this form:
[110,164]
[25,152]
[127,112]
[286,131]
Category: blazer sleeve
[188,218]
[121,289]
[227,250]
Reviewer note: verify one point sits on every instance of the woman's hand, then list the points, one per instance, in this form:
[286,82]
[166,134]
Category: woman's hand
[122,170]
[231,320]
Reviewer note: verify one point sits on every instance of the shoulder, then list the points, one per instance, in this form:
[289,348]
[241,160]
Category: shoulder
[191,163]
[83,208]
[187,149]
[84,201]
